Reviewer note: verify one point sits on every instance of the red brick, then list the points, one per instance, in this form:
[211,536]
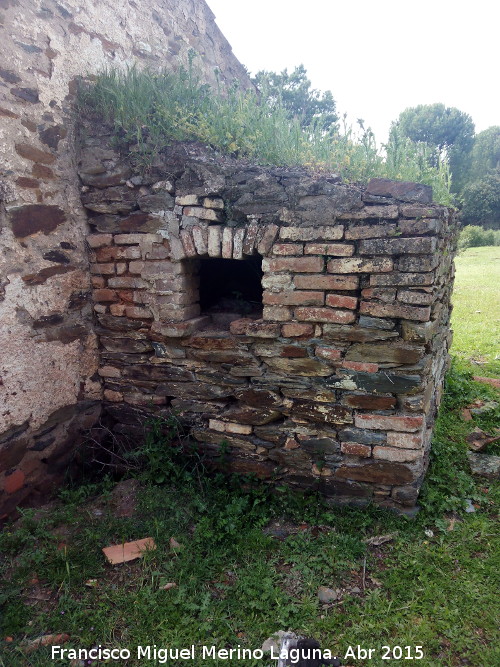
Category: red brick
[293,264]
[346,283]
[355,449]
[394,454]
[412,227]
[187,200]
[389,422]
[214,241]
[369,231]
[385,294]
[179,313]
[329,353]
[324,315]
[405,440]
[156,252]
[327,233]
[117,309]
[254,328]
[239,327]
[128,296]
[293,298]
[261,329]
[136,267]
[288,249]
[277,313]
[360,265]
[99,240]
[140,239]
[203,213]
[107,253]
[103,269]
[370,212]
[188,243]
[97,282]
[104,295]
[179,329]
[408,279]
[238,236]
[360,366]
[339,301]
[128,282]
[369,402]
[14,481]
[415,298]
[293,352]
[213,202]
[250,238]
[138,313]
[398,246]
[333,249]
[266,238]
[295,330]
[402,311]
[227,243]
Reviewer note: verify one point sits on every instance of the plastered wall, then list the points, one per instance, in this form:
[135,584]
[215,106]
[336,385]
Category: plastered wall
[49,387]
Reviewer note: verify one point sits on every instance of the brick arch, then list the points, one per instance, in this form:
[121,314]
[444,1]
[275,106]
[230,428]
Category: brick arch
[214,240]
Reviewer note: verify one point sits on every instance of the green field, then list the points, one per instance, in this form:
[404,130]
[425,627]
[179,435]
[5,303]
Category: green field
[476,309]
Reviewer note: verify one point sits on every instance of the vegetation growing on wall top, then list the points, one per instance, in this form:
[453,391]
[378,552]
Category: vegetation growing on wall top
[150,109]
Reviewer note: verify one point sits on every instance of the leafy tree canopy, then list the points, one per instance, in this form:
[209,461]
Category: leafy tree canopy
[485,155]
[482,201]
[437,125]
[293,91]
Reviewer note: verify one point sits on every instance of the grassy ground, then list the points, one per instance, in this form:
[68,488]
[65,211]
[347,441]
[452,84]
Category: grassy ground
[476,314]
[434,584]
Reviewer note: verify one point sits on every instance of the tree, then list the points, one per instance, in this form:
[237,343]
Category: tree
[293,91]
[481,195]
[482,201]
[447,129]
[485,156]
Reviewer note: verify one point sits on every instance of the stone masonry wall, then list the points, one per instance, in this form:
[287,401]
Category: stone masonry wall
[49,388]
[335,384]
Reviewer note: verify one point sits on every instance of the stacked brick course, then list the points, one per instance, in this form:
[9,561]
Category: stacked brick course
[335,387]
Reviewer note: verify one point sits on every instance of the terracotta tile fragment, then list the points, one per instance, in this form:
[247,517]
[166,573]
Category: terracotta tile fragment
[122,553]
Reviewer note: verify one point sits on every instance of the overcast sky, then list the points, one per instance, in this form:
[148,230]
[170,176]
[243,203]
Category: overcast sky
[377,57]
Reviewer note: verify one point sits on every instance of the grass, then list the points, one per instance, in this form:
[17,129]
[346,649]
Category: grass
[476,309]
[150,109]
[434,584]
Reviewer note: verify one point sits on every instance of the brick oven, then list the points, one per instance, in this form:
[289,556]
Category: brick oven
[302,321]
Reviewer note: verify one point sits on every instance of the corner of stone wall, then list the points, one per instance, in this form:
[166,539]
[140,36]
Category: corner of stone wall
[335,384]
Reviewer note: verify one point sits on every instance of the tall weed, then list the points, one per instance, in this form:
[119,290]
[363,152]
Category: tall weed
[150,109]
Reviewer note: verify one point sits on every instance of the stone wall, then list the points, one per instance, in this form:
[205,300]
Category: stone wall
[334,383]
[49,388]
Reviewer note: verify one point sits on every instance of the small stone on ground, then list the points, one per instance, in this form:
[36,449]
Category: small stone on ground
[485,465]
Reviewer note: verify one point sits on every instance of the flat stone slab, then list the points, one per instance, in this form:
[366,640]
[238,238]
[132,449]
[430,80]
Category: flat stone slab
[485,465]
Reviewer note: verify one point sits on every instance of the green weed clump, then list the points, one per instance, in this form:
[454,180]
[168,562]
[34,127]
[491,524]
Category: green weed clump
[473,236]
[150,109]
[432,584]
